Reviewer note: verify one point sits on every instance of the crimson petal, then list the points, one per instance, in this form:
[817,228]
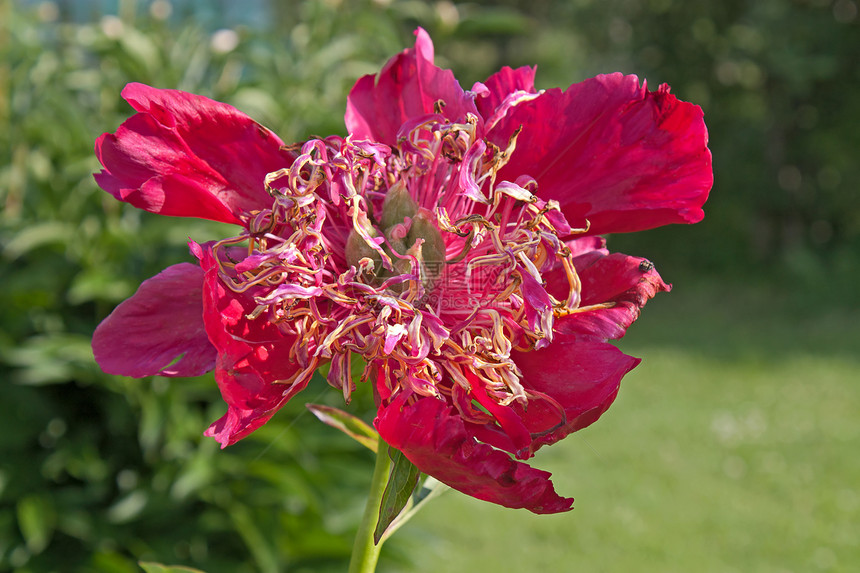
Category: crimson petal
[434,438]
[502,84]
[159,330]
[408,86]
[625,282]
[577,372]
[189,156]
[254,370]
[612,152]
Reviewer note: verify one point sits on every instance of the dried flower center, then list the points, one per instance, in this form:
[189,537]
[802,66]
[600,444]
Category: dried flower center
[407,233]
[414,258]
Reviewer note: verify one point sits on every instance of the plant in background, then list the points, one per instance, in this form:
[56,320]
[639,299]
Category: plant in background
[449,245]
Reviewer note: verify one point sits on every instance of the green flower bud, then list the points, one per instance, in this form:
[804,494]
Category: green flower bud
[398,205]
[357,249]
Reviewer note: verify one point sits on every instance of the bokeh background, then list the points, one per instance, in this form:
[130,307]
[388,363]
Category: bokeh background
[733,447]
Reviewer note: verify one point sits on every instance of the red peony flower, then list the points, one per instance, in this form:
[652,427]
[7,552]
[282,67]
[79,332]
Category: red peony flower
[450,242]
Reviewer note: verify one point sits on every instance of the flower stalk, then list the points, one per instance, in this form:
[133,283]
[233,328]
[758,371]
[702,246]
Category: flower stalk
[365,553]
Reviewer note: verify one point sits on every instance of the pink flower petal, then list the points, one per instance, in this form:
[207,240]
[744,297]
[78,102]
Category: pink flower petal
[408,86]
[580,374]
[612,152]
[624,281]
[434,438]
[502,84]
[628,282]
[189,156]
[160,323]
[239,422]
[588,245]
[517,434]
[255,370]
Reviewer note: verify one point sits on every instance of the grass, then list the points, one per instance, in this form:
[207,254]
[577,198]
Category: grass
[733,447]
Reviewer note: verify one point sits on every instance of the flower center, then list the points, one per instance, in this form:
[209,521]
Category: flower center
[408,236]
[415,259]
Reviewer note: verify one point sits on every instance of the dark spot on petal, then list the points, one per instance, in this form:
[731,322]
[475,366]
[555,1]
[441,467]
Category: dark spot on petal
[645,266]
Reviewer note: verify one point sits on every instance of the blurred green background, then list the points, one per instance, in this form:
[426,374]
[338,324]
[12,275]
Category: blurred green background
[733,447]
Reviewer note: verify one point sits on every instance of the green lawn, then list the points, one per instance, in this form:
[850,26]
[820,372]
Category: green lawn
[735,446]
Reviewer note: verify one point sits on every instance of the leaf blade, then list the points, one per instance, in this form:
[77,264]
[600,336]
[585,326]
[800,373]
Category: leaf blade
[354,427]
[150,567]
[402,481]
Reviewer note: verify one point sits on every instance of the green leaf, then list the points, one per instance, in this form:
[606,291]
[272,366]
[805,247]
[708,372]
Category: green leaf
[37,235]
[128,507]
[36,520]
[140,47]
[107,561]
[49,359]
[97,284]
[430,489]
[401,483]
[259,544]
[159,568]
[354,427]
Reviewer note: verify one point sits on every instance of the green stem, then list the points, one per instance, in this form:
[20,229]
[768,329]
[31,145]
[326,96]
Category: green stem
[365,552]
